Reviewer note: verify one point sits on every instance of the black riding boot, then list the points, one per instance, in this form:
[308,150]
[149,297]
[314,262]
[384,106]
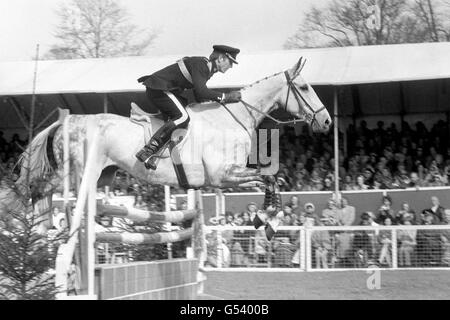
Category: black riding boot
[159,139]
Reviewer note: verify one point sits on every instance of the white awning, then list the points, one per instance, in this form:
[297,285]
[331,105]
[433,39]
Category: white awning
[325,66]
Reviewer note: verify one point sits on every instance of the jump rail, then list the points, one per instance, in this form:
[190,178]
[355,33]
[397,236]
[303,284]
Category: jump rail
[144,238]
[144,215]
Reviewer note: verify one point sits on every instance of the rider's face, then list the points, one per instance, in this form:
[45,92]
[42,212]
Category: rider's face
[223,64]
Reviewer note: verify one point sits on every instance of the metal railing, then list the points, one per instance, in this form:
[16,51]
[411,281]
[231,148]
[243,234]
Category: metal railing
[320,248]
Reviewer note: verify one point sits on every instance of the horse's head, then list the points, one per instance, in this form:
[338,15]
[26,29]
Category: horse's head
[299,99]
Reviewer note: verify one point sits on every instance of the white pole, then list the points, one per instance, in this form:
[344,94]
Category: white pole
[167,208]
[66,162]
[167,197]
[394,249]
[302,249]
[90,223]
[308,250]
[336,144]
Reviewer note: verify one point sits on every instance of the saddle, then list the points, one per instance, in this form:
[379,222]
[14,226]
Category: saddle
[171,149]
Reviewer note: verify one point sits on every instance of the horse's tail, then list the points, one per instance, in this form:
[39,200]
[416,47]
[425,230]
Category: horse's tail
[34,161]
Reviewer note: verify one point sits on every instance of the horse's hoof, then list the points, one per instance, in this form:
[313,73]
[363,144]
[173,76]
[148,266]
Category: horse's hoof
[150,164]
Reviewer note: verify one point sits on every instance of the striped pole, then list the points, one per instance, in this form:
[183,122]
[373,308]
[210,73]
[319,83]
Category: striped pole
[139,215]
[144,238]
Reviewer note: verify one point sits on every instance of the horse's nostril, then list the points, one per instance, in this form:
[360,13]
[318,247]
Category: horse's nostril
[327,122]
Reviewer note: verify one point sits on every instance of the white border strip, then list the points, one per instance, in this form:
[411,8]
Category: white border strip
[153,290]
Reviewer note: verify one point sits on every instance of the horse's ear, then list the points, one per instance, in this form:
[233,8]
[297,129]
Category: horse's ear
[295,71]
[300,65]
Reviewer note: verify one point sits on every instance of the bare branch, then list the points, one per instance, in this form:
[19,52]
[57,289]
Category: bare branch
[97,28]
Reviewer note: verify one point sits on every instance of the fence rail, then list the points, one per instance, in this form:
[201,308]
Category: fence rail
[321,248]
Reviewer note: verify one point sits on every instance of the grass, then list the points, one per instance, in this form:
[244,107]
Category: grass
[342,285]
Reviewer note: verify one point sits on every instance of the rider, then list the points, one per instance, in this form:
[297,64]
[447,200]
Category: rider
[164,89]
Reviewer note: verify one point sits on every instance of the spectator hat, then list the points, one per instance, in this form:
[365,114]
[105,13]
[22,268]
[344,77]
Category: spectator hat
[309,204]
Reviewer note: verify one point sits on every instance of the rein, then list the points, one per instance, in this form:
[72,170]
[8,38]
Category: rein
[297,94]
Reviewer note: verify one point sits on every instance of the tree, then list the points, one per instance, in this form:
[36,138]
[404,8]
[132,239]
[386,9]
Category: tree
[366,22]
[434,16]
[26,255]
[95,29]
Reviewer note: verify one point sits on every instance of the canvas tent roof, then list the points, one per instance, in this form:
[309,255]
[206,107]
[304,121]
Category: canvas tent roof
[326,66]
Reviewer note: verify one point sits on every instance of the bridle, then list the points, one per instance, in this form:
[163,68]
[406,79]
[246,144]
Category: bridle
[298,95]
[310,118]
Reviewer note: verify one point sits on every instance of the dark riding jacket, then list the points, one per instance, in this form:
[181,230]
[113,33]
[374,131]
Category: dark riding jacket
[172,79]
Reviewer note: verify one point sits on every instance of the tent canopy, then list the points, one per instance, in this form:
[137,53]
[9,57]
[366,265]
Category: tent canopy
[325,66]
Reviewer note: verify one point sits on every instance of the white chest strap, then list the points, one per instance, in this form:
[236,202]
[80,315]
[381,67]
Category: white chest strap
[184,70]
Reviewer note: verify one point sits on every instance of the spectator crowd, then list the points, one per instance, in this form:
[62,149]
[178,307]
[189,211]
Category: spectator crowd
[380,158]
[241,247]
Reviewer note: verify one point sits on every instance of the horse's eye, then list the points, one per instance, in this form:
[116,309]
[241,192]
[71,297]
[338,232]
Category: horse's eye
[304,87]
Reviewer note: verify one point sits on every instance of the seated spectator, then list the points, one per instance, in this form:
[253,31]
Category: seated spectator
[437,211]
[406,242]
[310,215]
[328,184]
[415,181]
[405,213]
[331,211]
[360,184]
[139,202]
[286,220]
[368,175]
[133,187]
[401,177]
[294,203]
[385,211]
[252,207]
[287,210]
[246,219]
[348,183]
[229,218]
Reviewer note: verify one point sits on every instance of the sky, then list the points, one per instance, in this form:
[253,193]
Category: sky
[185,27]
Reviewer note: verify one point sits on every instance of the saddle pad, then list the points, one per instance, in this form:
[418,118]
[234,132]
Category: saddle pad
[144,119]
